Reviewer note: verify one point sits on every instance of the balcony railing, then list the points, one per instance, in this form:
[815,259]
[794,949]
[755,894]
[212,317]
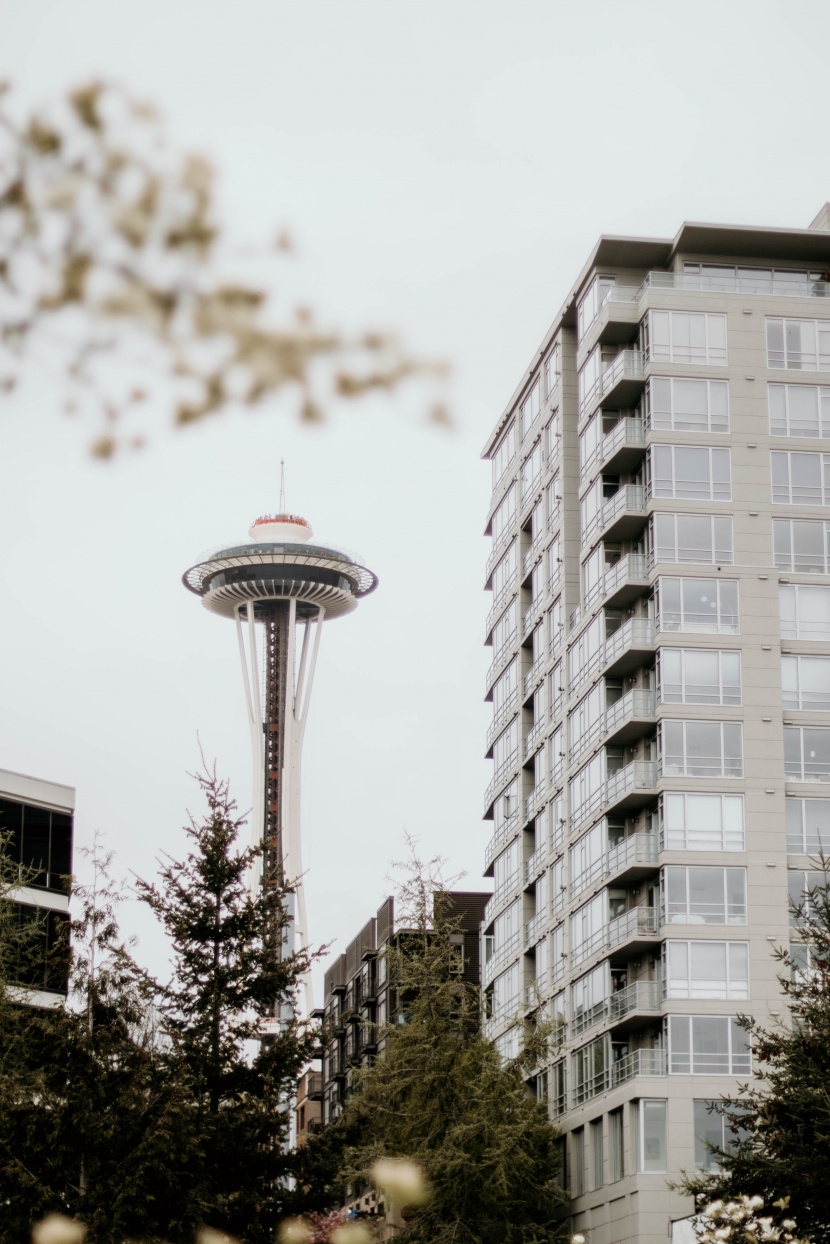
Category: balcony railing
[632,569]
[500,777]
[533,738]
[531,615]
[533,554]
[626,435]
[500,660]
[534,927]
[641,996]
[634,850]
[727,283]
[634,924]
[535,799]
[639,775]
[500,955]
[506,711]
[500,839]
[629,502]
[508,590]
[537,859]
[497,550]
[638,703]
[500,896]
[638,1063]
[534,674]
[635,634]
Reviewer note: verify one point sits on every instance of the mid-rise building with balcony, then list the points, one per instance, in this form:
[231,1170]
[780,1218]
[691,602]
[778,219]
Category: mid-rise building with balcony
[659,638]
[362,998]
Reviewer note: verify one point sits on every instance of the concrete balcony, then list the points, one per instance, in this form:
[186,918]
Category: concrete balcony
[623,650]
[630,859]
[628,930]
[499,602]
[631,786]
[505,834]
[641,998]
[507,710]
[620,450]
[536,863]
[630,716]
[621,583]
[621,517]
[533,739]
[638,1063]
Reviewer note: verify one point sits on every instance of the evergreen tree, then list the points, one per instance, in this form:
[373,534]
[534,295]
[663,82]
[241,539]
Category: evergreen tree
[440,1096]
[230,973]
[779,1125]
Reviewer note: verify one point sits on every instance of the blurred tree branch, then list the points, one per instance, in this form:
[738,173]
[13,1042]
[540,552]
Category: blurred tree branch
[114,267]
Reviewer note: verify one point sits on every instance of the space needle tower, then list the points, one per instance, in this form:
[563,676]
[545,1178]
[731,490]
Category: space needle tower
[283,586]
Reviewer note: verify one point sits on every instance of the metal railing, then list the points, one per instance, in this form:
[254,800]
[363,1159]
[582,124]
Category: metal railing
[639,775]
[500,954]
[641,996]
[630,499]
[638,1063]
[497,549]
[638,702]
[531,615]
[533,674]
[501,660]
[500,776]
[502,836]
[534,927]
[504,714]
[628,431]
[534,799]
[637,632]
[499,601]
[636,849]
[537,859]
[533,553]
[629,569]
[727,283]
[533,738]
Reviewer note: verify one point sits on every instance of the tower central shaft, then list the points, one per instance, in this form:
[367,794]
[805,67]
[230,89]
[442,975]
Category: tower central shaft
[277,677]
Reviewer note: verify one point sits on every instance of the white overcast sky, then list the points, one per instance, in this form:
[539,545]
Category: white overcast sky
[445,168]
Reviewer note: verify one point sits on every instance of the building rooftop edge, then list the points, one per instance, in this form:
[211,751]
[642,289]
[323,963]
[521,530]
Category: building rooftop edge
[41,790]
[625,249]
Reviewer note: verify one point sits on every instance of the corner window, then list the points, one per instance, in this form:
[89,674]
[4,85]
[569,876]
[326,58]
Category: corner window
[701,749]
[699,538]
[799,410]
[684,337]
[706,969]
[805,682]
[801,544]
[805,611]
[699,606]
[712,1045]
[677,405]
[702,822]
[690,472]
[699,676]
[703,895]
[592,302]
[798,345]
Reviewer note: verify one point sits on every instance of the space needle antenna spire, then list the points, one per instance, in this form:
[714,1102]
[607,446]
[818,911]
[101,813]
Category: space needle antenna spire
[286,584]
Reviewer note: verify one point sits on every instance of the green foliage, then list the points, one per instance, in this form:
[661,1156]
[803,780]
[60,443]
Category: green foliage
[780,1124]
[147,1110]
[440,1096]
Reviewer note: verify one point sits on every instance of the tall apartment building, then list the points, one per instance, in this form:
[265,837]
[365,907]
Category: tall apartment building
[361,998]
[37,816]
[660,682]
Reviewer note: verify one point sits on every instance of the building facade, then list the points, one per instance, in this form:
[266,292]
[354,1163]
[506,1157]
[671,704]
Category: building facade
[361,998]
[37,817]
[660,683]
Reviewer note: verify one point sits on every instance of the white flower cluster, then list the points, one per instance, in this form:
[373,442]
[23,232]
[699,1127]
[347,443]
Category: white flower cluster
[740,1221]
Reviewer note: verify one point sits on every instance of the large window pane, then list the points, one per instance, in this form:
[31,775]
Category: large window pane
[707,1045]
[805,611]
[805,682]
[692,538]
[799,410]
[808,826]
[703,895]
[704,606]
[807,753]
[653,1155]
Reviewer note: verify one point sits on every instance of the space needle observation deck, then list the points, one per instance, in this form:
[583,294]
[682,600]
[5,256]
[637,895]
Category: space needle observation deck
[288,585]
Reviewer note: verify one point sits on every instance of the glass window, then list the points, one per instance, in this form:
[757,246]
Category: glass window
[798,345]
[699,676]
[616,1145]
[531,470]
[807,753]
[805,682]
[502,455]
[805,611]
[531,406]
[588,926]
[554,564]
[590,508]
[590,440]
[713,1131]
[586,721]
[556,1090]
[684,337]
[587,787]
[799,410]
[703,895]
[507,1045]
[687,405]
[506,930]
[588,378]
[652,1140]
[800,479]
[556,624]
[553,437]
[551,369]
[802,545]
[588,857]
[578,1161]
[701,749]
[590,1066]
[707,1045]
[593,568]
[808,826]
[504,572]
[504,515]
[701,822]
[801,885]
[506,867]
[690,472]
[554,500]
[597,1171]
[592,302]
[584,653]
[702,606]
[505,630]
[505,689]
[706,969]
[506,746]
[693,538]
